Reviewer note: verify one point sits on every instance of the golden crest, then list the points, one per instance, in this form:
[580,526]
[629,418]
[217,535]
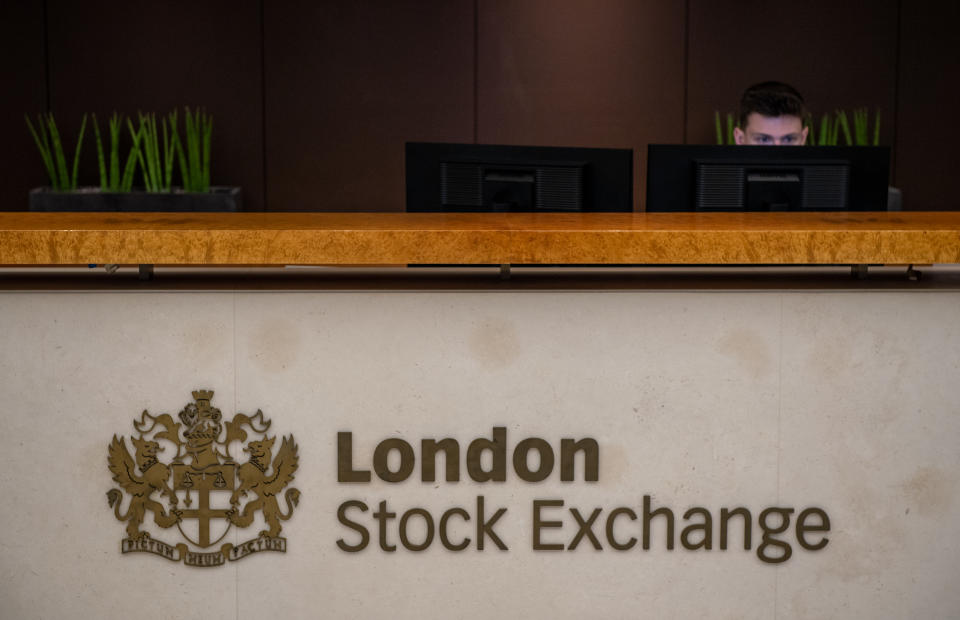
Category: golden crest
[206,491]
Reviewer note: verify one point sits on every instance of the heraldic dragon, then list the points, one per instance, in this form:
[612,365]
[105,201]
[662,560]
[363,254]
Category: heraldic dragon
[202,441]
[141,488]
[253,477]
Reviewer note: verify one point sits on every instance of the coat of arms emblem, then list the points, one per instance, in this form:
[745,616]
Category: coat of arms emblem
[202,490]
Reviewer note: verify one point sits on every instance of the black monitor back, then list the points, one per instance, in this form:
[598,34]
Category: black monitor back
[445,177]
[767,178]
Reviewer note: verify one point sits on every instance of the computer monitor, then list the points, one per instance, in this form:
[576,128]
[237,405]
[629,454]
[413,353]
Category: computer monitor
[767,178]
[490,178]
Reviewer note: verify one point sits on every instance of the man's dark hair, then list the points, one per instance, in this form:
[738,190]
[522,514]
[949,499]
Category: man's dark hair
[771,99]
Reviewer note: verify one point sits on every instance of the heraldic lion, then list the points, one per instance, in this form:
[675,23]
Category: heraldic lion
[253,477]
[155,476]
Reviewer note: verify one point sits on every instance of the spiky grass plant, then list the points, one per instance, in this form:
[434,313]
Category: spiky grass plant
[720,129]
[51,151]
[826,135]
[157,170]
[110,178]
[861,127]
[844,125]
[832,126]
[195,157]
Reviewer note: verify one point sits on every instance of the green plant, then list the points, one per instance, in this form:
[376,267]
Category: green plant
[51,151]
[719,126]
[195,158]
[860,136]
[826,135]
[844,125]
[157,171]
[861,127]
[110,179]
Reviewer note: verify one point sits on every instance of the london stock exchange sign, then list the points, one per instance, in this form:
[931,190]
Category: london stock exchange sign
[206,492]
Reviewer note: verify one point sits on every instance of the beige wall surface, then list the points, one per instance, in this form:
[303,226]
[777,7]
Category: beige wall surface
[840,401]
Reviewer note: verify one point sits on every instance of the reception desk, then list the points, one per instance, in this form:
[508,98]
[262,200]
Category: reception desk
[712,419]
[387,238]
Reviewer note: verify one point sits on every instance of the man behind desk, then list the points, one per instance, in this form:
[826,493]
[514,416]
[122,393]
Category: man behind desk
[771,113]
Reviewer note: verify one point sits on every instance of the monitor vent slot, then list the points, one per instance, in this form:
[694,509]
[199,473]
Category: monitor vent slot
[719,187]
[559,188]
[825,188]
[461,185]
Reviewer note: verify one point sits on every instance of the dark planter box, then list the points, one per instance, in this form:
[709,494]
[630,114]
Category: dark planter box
[92,199]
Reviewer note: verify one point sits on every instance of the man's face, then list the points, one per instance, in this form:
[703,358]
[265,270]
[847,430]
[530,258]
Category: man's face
[771,131]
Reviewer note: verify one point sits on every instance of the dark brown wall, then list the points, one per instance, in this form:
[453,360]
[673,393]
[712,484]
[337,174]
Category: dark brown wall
[928,96]
[314,100]
[582,73]
[348,83]
[22,58]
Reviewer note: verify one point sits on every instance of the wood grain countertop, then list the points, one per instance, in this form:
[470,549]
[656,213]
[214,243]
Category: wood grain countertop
[488,238]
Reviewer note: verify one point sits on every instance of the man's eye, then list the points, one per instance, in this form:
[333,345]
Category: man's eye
[763,139]
[789,139]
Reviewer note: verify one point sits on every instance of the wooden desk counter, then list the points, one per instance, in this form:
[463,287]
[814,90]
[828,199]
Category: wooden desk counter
[517,238]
